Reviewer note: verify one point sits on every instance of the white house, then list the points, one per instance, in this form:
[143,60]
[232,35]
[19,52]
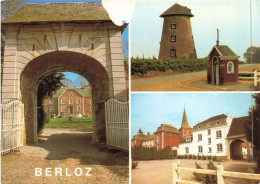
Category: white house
[148,141]
[208,137]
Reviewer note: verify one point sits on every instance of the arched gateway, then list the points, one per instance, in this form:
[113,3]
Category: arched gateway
[74,37]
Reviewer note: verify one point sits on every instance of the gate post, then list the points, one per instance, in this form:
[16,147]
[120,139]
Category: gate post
[220,179]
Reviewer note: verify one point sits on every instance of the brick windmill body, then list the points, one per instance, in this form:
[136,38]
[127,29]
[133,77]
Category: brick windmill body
[177,40]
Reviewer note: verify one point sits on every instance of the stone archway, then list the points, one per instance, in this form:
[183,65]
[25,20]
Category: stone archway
[238,150]
[78,63]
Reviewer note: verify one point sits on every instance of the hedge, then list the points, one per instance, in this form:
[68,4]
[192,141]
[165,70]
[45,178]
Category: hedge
[143,153]
[142,66]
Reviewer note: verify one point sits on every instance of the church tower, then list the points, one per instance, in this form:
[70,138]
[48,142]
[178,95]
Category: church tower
[185,129]
[177,40]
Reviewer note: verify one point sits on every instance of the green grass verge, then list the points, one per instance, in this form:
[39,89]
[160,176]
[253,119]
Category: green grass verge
[80,123]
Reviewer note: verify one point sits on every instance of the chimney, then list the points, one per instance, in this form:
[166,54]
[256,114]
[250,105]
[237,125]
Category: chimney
[148,133]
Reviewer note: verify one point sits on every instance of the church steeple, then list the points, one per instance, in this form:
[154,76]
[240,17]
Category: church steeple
[185,123]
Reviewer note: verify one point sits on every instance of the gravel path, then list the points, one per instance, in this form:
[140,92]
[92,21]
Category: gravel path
[65,149]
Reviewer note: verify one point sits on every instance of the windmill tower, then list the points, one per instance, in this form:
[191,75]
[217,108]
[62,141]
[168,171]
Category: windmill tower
[177,40]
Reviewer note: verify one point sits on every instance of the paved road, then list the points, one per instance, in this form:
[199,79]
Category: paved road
[193,81]
[190,75]
[66,149]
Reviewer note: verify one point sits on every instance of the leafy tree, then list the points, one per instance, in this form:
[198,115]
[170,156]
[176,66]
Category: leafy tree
[47,86]
[252,53]
[253,126]
[81,82]
[67,82]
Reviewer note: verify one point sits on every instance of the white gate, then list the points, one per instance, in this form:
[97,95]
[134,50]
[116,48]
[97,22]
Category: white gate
[12,125]
[117,124]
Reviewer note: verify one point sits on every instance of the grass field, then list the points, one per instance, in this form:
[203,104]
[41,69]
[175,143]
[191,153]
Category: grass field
[79,123]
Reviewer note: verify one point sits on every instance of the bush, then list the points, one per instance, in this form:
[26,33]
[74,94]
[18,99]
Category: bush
[142,66]
[134,164]
[46,117]
[204,157]
[190,156]
[194,156]
[199,157]
[206,178]
[181,156]
[209,157]
[178,156]
[144,153]
[186,156]
[214,158]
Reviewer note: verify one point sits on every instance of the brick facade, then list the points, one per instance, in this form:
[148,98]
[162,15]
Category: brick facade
[70,102]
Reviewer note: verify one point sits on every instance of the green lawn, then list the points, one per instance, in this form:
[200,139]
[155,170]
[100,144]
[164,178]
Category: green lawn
[80,123]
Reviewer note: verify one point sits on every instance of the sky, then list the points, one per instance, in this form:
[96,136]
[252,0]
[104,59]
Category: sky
[232,17]
[150,110]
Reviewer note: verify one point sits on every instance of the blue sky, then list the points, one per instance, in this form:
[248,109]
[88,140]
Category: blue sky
[124,36]
[148,111]
[232,17]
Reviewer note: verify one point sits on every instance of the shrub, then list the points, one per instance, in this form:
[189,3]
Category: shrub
[190,156]
[134,164]
[199,157]
[186,156]
[209,157]
[194,156]
[181,156]
[214,158]
[204,157]
[206,178]
[178,156]
[144,65]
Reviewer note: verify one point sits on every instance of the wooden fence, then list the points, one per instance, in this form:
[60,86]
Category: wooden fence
[220,173]
[247,75]
[117,124]
[12,125]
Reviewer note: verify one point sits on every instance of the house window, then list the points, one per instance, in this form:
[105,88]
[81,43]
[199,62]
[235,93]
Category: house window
[70,101]
[158,137]
[219,148]
[200,149]
[70,95]
[63,101]
[210,150]
[78,101]
[158,146]
[187,150]
[173,38]
[188,132]
[173,53]
[51,101]
[218,134]
[230,67]
[199,137]
[51,108]
[173,26]
[209,140]
[209,132]
[62,108]
[78,108]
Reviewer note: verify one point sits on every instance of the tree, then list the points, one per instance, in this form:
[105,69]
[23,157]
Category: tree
[47,86]
[81,82]
[67,82]
[252,54]
[253,126]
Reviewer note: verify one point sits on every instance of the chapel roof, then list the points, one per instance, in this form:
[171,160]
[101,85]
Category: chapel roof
[224,52]
[59,12]
[177,9]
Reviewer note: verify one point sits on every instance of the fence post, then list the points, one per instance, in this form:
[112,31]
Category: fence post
[220,178]
[255,78]
[174,173]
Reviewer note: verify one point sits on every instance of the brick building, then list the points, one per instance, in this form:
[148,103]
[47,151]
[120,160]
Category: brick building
[74,102]
[177,39]
[138,139]
[222,65]
[167,135]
